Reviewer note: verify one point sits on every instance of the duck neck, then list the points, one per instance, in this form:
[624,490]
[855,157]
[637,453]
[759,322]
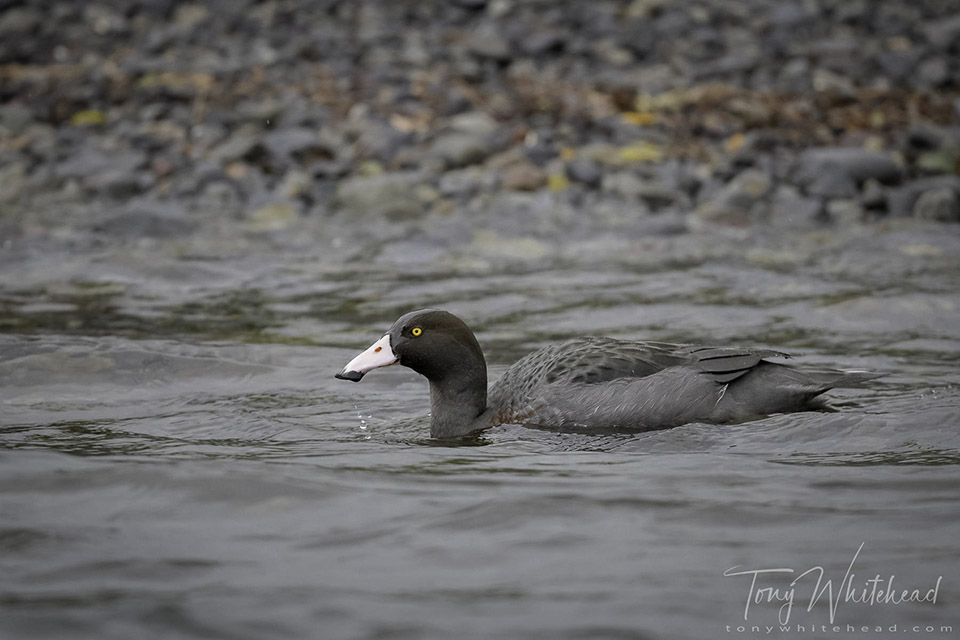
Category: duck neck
[458,402]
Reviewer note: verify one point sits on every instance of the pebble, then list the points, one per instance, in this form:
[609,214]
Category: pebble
[523,176]
[149,219]
[939,205]
[486,41]
[12,180]
[586,171]
[460,149]
[390,195]
[902,200]
[734,204]
[838,172]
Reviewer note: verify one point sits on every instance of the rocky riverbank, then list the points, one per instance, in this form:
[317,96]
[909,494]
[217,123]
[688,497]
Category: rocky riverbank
[162,119]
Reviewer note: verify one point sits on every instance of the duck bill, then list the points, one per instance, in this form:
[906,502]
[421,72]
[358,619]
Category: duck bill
[379,354]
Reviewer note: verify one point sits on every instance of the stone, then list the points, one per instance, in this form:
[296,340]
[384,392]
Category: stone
[17,21]
[874,196]
[220,196]
[464,182]
[898,65]
[295,143]
[486,41]
[543,41]
[89,162]
[733,204]
[940,161]
[275,216]
[470,4]
[15,118]
[844,212]
[460,149]
[391,195]
[149,219]
[234,148]
[473,123]
[119,183]
[933,72]
[826,81]
[901,200]
[838,172]
[296,184]
[523,176]
[624,184]
[586,171]
[944,33]
[940,205]
[789,209]
[13,180]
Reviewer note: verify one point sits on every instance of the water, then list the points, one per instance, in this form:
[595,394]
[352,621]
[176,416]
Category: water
[177,460]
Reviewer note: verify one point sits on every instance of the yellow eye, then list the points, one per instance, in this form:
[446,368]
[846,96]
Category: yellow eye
[416,331]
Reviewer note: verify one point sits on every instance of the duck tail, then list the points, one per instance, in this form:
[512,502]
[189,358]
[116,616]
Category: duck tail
[840,378]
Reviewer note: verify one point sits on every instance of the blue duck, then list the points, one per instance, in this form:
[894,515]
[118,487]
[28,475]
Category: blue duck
[592,384]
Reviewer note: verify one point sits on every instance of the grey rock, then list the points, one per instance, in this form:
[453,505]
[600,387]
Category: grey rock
[944,33]
[13,180]
[789,209]
[654,193]
[901,200]
[925,138]
[295,143]
[20,20]
[543,41]
[473,123]
[149,219]
[465,182]
[844,212]
[933,72]
[789,14]
[735,203]
[826,81]
[898,65]
[625,184]
[523,176]
[220,196]
[119,183]
[837,172]
[15,118]
[391,195]
[460,149]
[236,147]
[941,204]
[468,138]
[586,171]
[88,164]
[486,41]
[873,196]
[381,141]
[794,76]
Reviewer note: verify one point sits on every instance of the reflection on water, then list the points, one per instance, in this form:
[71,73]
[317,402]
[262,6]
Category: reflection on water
[176,459]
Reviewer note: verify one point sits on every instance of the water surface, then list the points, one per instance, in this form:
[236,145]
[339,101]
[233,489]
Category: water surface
[178,461]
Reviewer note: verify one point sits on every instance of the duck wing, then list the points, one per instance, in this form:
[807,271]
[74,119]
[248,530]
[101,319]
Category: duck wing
[726,364]
[610,366]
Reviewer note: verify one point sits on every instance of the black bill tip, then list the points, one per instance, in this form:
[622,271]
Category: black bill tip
[352,376]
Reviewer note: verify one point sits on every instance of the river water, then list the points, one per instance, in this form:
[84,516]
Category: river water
[177,460]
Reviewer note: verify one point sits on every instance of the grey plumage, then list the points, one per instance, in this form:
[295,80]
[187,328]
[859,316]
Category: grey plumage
[600,383]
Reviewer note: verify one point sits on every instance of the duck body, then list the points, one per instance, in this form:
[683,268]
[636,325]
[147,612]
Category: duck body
[593,384]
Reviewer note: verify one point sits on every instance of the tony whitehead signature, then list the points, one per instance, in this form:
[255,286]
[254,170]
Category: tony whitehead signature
[875,590]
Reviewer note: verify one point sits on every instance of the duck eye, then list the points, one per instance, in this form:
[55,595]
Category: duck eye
[416,331]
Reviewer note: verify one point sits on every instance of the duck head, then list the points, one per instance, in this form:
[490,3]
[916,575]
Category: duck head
[435,343]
